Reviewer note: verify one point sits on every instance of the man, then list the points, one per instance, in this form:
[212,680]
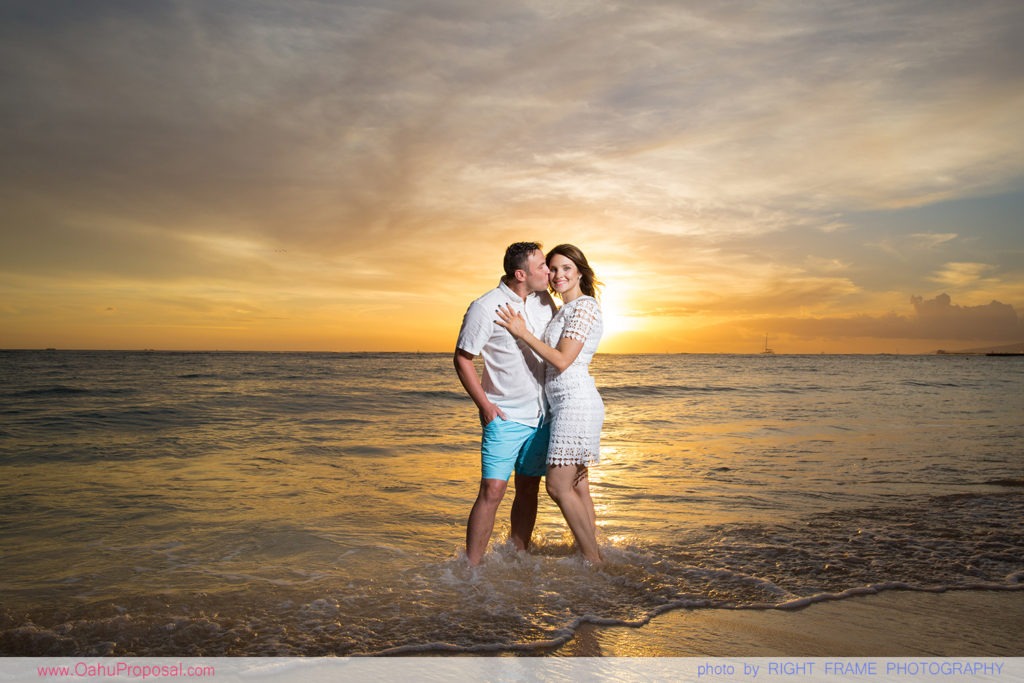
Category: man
[510,397]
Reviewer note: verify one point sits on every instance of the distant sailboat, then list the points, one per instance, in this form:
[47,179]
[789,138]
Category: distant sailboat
[766,349]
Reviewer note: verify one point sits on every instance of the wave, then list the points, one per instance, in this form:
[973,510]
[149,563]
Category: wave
[876,589]
[54,391]
[61,392]
[920,383]
[660,390]
[147,417]
[195,633]
[1012,483]
[433,395]
[564,636]
[513,603]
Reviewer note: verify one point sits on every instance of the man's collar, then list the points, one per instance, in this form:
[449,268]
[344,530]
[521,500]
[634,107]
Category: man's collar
[510,293]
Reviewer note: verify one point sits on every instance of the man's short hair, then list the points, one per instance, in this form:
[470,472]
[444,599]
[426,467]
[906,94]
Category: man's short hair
[517,257]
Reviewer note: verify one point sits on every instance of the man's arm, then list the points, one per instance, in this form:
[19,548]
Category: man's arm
[467,373]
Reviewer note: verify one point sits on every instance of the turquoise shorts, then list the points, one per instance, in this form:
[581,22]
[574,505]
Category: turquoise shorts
[509,446]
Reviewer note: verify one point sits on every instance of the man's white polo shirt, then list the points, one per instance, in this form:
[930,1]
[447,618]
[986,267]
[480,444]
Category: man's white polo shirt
[513,374]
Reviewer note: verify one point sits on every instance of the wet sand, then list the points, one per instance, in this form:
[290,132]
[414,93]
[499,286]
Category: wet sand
[890,624]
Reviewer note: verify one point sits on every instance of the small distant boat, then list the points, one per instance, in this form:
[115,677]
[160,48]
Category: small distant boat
[767,351]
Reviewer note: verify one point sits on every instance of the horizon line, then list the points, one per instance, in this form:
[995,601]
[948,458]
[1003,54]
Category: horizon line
[937,352]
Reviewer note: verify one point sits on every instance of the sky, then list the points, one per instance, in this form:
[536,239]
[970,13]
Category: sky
[827,176]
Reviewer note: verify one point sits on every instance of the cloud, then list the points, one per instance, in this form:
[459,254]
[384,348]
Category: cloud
[309,119]
[939,318]
[273,152]
[932,319]
[908,246]
[930,240]
[960,274]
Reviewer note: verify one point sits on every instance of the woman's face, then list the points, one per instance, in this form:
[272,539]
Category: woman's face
[565,276]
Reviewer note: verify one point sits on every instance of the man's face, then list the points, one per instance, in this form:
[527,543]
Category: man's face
[537,272]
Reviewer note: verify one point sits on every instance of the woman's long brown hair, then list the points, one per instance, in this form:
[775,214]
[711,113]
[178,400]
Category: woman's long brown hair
[588,282]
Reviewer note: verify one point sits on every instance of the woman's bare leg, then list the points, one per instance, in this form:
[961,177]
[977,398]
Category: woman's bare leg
[582,488]
[561,486]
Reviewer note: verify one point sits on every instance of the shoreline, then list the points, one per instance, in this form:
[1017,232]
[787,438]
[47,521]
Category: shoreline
[893,623]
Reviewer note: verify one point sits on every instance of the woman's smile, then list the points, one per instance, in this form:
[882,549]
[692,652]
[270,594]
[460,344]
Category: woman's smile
[565,277]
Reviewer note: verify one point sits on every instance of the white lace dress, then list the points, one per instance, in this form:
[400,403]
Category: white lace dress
[576,408]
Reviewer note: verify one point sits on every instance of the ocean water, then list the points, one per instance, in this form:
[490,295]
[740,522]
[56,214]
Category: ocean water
[206,504]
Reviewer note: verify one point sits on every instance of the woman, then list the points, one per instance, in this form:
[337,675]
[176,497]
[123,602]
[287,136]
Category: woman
[567,346]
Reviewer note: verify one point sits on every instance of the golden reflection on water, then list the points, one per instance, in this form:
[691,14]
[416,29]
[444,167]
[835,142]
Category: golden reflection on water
[327,502]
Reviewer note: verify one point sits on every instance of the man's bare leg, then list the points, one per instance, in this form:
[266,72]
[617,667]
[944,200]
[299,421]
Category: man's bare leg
[524,510]
[481,518]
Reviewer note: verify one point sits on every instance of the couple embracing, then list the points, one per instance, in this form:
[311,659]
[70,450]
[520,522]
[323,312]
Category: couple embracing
[540,410]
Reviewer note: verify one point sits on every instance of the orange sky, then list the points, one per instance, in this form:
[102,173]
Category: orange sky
[337,176]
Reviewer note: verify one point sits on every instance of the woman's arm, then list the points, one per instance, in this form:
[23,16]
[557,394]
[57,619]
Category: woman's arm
[560,357]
